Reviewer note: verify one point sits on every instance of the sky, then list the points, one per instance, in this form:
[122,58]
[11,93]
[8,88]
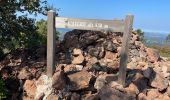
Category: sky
[149,15]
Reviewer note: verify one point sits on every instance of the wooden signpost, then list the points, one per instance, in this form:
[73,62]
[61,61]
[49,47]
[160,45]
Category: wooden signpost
[124,26]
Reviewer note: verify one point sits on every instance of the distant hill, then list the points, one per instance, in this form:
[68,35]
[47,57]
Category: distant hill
[153,38]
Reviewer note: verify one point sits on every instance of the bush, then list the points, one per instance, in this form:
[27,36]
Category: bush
[3,94]
[141,34]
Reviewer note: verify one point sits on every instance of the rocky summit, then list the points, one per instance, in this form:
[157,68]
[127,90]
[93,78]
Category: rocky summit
[87,65]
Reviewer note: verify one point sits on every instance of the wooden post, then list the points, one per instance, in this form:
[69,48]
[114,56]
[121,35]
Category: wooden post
[51,43]
[124,50]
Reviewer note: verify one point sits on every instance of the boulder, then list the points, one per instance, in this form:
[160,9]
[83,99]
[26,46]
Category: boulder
[97,52]
[93,51]
[111,55]
[78,60]
[148,72]
[44,87]
[153,55]
[92,60]
[75,96]
[132,65]
[158,81]
[79,80]
[30,88]
[24,74]
[135,37]
[108,93]
[79,67]
[58,80]
[110,46]
[134,53]
[72,67]
[71,39]
[153,94]
[168,91]
[142,96]
[52,97]
[77,51]
[102,80]
[132,88]
[138,80]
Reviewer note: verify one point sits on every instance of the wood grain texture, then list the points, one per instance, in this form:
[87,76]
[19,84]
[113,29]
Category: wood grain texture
[90,24]
[51,43]
[125,49]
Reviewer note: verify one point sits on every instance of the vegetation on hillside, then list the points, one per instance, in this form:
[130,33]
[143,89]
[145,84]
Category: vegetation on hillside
[168,38]
[163,50]
[141,34]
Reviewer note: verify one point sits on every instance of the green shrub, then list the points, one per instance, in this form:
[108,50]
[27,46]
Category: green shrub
[3,93]
[141,34]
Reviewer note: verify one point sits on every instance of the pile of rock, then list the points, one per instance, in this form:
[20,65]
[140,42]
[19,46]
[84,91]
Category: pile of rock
[87,69]
[21,65]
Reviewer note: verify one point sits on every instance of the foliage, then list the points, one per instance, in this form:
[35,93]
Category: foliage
[168,38]
[141,35]
[3,94]
[17,29]
[42,32]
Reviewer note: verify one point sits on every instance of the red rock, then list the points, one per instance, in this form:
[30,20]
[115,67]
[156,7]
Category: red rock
[142,96]
[153,55]
[108,93]
[44,86]
[68,68]
[165,97]
[77,51]
[168,91]
[114,65]
[75,96]
[147,72]
[24,74]
[73,67]
[158,81]
[140,81]
[58,80]
[135,37]
[102,80]
[52,97]
[153,94]
[92,60]
[79,80]
[30,88]
[78,60]
[132,88]
[110,55]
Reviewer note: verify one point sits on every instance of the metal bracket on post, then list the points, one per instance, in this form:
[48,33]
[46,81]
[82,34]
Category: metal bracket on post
[51,40]
[125,49]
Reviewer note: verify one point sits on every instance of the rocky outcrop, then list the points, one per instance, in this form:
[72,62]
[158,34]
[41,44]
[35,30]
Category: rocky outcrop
[87,69]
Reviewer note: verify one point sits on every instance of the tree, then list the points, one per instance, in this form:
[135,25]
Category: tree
[168,38]
[141,34]
[42,32]
[17,29]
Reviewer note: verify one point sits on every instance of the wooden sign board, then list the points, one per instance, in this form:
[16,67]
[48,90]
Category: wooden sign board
[89,24]
[124,26]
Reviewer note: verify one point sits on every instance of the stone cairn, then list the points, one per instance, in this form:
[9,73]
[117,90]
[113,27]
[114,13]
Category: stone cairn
[87,64]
